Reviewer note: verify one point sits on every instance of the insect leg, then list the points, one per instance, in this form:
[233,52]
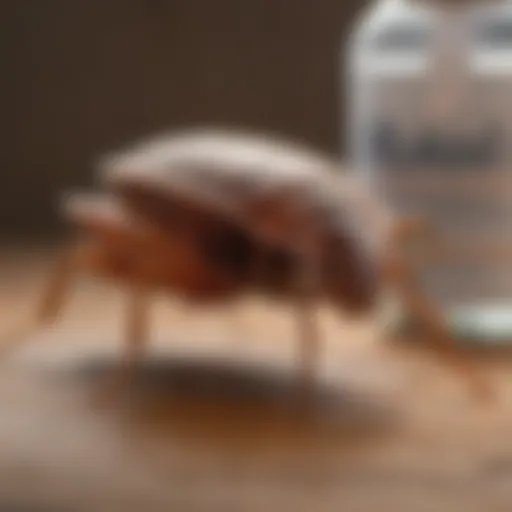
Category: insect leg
[241,321]
[306,310]
[136,326]
[434,325]
[309,339]
[52,301]
[135,339]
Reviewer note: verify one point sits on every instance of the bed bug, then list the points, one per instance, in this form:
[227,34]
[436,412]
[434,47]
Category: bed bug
[215,214]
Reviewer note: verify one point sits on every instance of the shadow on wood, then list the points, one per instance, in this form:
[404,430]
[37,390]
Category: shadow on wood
[212,399]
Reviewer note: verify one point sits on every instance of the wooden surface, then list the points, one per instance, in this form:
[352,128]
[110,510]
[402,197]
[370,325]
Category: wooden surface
[214,421]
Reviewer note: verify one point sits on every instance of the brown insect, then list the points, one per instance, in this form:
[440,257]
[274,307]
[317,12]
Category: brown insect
[213,215]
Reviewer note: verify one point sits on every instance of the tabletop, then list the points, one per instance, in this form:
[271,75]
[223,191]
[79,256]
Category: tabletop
[213,420]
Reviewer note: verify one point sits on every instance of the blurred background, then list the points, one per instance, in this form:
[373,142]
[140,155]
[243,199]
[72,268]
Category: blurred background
[83,77]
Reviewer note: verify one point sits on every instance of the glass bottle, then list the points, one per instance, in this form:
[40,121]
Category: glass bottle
[430,129]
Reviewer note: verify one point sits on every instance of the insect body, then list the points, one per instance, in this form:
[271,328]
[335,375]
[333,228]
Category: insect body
[212,215]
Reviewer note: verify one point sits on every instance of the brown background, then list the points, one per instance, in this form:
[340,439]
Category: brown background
[83,76]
